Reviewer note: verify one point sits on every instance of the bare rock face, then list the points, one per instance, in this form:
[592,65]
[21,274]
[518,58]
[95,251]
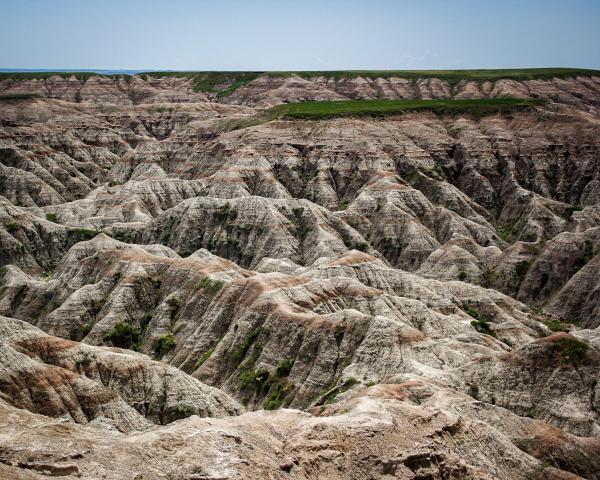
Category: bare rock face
[60,378]
[187,292]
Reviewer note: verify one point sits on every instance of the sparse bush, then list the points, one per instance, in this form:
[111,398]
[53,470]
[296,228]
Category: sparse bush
[225,213]
[480,324]
[164,344]
[248,341]
[204,357]
[123,335]
[349,383]
[362,246]
[557,326]
[521,269]
[474,391]
[12,227]
[470,311]
[571,350]
[489,277]
[83,233]
[483,326]
[276,396]
[257,380]
[87,328]
[285,367]
[209,285]
[147,317]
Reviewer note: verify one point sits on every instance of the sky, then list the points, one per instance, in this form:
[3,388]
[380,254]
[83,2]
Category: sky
[298,35]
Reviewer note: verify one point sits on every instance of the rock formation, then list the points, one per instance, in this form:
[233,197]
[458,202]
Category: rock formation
[188,293]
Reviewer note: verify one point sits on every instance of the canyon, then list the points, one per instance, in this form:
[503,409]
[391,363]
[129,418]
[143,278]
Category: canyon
[194,287]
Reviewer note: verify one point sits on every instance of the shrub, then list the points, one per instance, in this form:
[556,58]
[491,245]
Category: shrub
[12,227]
[146,320]
[51,217]
[571,350]
[285,367]
[349,383]
[257,380]
[248,341]
[470,311]
[225,213]
[87,328]
[123,335]
[177,412]
[276,396]
[489,277]
[557,326]
[474,391]
[164,344]
[204,357]
[462,276]
[483,326]
[521,270]
[362,246]
[83,233]
[209,285]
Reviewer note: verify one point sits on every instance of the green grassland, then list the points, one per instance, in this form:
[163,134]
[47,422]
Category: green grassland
[377,108]
[476,108]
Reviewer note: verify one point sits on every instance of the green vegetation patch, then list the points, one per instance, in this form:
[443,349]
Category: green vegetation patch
[225,213]
[557,325]
[164,344]
[12,227]
[204,357]
[285,367]
[480,323]
[378,108]
[209,285]
[81,234]
[249,340]
[570,350]
[221,83]
[123,335]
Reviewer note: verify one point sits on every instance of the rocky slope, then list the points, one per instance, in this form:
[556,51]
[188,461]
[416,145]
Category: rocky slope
[166,256]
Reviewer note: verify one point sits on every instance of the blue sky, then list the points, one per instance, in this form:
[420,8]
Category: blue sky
[298,35]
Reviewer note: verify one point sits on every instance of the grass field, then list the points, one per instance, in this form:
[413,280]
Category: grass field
[376,108]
